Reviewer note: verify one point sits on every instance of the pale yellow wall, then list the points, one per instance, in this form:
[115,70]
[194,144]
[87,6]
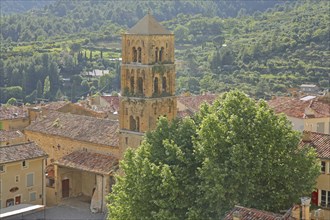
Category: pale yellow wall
[50,143]
[15,124]
[310,124]
[323,183]
[8,181]
[297,123]
[88,183]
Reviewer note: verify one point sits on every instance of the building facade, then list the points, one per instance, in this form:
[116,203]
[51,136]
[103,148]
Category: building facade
[147,80]
[22,177]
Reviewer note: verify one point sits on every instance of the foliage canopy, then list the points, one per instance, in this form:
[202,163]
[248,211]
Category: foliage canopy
[233,152]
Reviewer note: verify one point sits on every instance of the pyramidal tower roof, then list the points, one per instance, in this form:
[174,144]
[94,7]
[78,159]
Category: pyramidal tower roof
[148,25]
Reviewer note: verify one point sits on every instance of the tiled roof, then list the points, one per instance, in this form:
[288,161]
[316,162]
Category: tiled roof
[319,141]
[113,102]
[251,214]
[184,113]
[9,135]
[91,162]
[19,152]
[53,105]
[148,25]
[194,102]
[12,112]
[78,127]
[297,108]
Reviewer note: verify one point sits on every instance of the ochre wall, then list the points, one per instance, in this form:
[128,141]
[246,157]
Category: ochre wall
[57,146]
[8,181]
[15,124]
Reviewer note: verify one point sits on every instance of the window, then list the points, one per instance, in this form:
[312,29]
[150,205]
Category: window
[323,166]
[132,84]
[2,168]
[24,164]
[140,85]
[325,198]
[156,85]
[164,84]
[29,180]
[126,140]
[33,196]
[320,127]
[156,55]
[139,55]
[10,202]
[16,179]
[132,123]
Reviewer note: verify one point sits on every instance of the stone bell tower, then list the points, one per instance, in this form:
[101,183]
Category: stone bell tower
[147,80]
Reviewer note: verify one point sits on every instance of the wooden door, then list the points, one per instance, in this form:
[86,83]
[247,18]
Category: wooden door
[65,188]
[17,200]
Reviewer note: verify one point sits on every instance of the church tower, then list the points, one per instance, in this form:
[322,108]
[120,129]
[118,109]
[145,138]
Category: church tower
[147,80]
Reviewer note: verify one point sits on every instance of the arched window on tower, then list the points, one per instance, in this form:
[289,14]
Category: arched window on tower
[137,124]
[134,54]
[139,54]
[132,84]
[164,85]
[132,123]
[156,55]
[140,85]
[156,85]
[161,54]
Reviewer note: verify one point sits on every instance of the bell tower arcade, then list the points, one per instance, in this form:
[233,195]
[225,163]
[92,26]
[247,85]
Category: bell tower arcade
[147,80]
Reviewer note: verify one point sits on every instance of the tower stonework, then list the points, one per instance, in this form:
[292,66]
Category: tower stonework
[147,80]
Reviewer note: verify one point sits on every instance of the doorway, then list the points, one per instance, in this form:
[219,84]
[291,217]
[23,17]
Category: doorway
[17,200]
[65,188]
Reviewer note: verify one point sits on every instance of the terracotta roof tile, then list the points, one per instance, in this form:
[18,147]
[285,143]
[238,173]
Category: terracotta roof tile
[9,135]
[295,107]
[194,102]
[113,101]
[251,214]
[79,127]
[12,112]
[19,152]
[91,162]
[319,141]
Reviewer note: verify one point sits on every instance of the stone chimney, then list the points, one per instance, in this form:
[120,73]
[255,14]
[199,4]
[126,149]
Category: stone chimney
[305,204]
[306,136]
[295,213]
[237,215]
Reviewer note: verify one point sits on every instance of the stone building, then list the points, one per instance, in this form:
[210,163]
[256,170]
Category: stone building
[147,80]
[22,177]
[83,156]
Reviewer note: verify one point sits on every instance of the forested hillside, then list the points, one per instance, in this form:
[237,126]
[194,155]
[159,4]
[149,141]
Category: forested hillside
[260,46]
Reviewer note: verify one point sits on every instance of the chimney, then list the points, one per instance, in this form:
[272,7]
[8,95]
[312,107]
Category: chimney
[306,136]
[236,215]
[305,204]
[295,213]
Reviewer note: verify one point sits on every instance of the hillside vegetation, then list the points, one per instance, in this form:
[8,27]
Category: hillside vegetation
[260,47]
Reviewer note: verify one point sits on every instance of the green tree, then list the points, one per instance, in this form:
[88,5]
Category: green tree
[159,180]
[250,156]
[11,101]
[39,89]
[234,152]
[47,87]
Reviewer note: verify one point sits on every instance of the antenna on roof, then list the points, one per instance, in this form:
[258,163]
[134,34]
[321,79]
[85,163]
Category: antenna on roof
[149,11]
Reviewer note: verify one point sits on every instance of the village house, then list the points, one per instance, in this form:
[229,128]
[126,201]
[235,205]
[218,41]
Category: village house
[321,143]
[13,117]
[69,137]
[296,212]
[22,178]
[309,113]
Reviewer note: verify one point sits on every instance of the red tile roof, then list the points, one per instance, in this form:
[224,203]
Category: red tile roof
[251,214]
[295,107]
[19,152]
[78,127]
[12,112]
[113,101]
[194,102]
[319,141]
[91,162]
[9,135]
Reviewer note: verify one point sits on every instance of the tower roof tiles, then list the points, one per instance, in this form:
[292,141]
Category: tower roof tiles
[148,25]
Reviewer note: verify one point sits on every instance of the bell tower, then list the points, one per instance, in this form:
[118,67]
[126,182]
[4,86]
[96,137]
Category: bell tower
[147,80]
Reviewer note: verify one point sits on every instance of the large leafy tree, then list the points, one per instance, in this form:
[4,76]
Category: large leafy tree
[236,151]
